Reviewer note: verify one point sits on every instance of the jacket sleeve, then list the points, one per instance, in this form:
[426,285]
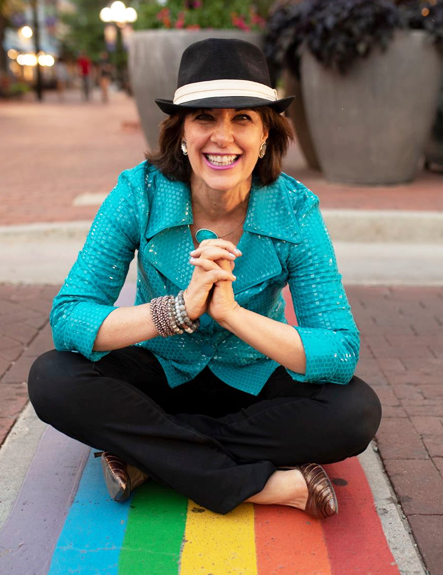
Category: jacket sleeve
[88,294]
[326,326]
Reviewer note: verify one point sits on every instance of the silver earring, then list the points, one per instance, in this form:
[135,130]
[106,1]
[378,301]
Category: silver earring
[184,148]
[262,150]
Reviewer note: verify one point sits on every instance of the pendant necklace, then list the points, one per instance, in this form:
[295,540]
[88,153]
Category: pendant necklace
[206,234]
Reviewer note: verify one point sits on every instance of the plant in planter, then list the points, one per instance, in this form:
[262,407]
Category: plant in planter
[198,14]
[164,31]
[363,65]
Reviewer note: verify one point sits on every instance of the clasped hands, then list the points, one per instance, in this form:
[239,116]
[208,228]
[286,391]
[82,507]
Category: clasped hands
[210,289]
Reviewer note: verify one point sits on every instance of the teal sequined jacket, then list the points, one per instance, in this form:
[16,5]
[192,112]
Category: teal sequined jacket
[284,241]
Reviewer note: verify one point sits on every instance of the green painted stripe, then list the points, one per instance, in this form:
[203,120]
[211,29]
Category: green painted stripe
[154,532]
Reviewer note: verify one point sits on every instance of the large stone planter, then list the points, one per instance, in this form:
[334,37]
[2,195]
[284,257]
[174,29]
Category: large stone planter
[371,125]
[154,59]
[434,148]
[297,114]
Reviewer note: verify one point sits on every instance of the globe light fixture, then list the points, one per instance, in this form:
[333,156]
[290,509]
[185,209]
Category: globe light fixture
[106,15]
[26,32]
[131,15]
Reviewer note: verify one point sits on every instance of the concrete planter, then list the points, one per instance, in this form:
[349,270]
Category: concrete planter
[370,126]
[434,148]
[154,59]
[297,114]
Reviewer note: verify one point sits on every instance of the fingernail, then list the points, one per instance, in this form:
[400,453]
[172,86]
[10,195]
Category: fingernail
[237,251]
[193,259]
[193,252]
[232,255]
[235,277]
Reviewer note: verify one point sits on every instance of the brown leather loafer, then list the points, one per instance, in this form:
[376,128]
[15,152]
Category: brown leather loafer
[322,501]
[120,477]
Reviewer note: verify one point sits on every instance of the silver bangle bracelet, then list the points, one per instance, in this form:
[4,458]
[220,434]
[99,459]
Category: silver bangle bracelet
[170,317]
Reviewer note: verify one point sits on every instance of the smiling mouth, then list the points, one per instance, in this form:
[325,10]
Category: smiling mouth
[220,161]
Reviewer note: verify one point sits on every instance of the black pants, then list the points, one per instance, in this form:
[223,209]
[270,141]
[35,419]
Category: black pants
[215,444]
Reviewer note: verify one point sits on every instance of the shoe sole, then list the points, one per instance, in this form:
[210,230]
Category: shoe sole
[113,484]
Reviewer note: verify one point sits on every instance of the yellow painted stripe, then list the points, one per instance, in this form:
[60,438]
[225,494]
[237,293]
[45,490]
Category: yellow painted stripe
[219,544]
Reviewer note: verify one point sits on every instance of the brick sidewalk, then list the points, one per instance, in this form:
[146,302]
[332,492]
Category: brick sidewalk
[24,335]
[401,356]
[53,152]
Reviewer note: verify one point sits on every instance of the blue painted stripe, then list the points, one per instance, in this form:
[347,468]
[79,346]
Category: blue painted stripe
[92,536]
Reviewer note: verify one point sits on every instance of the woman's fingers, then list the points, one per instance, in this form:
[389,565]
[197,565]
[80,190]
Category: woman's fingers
[218,243]
[213,253]
[211,266]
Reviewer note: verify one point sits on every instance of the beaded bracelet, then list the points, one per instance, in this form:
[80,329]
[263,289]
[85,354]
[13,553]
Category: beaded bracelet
[170,317]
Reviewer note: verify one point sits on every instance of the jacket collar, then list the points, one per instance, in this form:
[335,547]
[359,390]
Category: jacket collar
[269,215]
[269,210]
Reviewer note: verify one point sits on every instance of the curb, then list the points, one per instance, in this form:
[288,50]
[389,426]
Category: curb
[395,526]
[366,226]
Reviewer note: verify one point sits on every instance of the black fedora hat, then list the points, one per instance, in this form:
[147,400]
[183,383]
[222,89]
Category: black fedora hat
[223,73]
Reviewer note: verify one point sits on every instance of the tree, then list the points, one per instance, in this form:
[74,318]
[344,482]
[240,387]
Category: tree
[7,9]
[84,29]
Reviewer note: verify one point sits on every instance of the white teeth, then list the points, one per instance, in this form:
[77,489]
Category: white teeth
[221,160]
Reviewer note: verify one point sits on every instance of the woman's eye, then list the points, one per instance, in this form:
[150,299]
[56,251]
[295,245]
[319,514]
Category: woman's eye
[204,117]
[243,117]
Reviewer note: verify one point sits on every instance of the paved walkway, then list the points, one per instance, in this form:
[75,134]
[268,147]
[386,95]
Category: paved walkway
[54,153]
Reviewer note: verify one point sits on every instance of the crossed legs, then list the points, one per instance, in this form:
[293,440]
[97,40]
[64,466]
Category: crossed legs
[216,445]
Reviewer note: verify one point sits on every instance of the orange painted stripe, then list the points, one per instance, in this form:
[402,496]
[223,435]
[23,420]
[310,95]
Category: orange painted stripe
[288,542]
[355,539]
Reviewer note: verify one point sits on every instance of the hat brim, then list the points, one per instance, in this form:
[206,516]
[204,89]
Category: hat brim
[235,102]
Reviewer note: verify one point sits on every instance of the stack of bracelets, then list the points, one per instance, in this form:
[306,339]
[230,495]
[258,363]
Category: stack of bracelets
[170,317]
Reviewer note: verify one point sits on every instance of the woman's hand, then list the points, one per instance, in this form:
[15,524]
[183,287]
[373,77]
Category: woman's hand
[222,301]
[206,259]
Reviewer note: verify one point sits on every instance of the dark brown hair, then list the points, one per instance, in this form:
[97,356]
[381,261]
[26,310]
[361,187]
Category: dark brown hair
[169,158]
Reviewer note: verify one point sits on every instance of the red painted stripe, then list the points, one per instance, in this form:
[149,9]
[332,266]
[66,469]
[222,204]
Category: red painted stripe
[355,539]
[288,542]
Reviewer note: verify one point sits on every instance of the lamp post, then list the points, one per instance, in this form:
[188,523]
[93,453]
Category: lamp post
[28,32]
[119,15]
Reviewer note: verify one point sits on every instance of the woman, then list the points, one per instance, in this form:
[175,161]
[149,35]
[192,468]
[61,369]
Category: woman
[202,385]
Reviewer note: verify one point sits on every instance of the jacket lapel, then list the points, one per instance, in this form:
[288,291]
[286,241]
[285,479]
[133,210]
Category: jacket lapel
[167,232]
[270,215]
[169,251]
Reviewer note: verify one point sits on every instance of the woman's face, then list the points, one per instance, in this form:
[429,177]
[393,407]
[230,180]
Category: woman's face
[223,146]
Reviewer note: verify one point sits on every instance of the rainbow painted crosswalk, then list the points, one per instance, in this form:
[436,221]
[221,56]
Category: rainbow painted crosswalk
[159,532]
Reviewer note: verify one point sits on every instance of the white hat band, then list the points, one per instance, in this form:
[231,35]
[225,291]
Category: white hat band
[223,88]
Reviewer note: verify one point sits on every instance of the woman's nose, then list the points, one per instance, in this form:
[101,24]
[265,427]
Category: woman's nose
[222,134]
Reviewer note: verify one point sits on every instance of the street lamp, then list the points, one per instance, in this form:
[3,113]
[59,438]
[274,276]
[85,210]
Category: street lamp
[120,15]
[26,32]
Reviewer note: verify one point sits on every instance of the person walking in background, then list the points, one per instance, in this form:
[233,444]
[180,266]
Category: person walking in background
[85,66]
[105,75]
[62,75]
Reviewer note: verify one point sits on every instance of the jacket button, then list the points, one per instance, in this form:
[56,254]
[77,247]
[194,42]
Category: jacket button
[205,320]
[207,349]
